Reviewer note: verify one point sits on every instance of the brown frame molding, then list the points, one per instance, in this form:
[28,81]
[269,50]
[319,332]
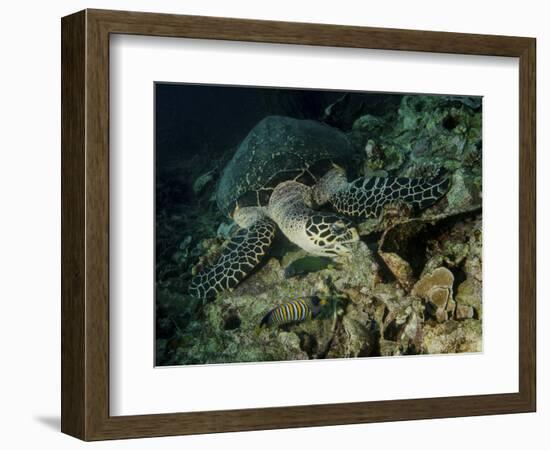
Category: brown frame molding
[85,224]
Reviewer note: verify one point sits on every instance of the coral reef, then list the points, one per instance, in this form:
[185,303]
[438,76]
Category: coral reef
[413,284]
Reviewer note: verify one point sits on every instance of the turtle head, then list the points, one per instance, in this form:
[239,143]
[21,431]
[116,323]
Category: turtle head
[317,232]
[330,235]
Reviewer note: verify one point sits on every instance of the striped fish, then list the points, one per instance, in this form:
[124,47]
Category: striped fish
[298,310]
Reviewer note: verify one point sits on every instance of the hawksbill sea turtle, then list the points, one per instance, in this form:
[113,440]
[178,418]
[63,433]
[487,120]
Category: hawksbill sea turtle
[280,177]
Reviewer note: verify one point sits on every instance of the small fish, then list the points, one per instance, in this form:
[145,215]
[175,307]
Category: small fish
[308,264]
[295,311]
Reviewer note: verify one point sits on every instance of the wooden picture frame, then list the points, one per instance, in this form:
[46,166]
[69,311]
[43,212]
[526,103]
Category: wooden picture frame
[85,224]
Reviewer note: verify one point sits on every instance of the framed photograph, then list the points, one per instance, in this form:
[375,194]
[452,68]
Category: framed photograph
[273,225]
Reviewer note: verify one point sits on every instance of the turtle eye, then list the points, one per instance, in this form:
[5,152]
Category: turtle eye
[338,227]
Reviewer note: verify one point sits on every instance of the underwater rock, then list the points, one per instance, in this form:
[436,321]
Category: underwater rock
[291,342]
[457,248]
[360,269]
[389,348]
[389,294]
[461,196]
[411,333]
[464,311]
[452,337]
[400,268]
[267,278]
[226,230]
[369,125]
[358,296]
[471,102]
[402,323]
[437,288]
[473,264]
[468,299]
[357,338]
[202,181]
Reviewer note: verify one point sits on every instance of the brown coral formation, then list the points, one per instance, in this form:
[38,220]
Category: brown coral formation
[436,288]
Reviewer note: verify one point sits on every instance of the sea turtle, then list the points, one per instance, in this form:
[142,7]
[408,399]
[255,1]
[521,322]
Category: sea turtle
[283,172]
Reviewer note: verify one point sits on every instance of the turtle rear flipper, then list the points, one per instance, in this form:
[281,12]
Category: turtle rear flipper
[240,256]
[366,197]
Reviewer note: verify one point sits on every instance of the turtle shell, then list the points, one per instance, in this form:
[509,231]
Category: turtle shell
[279,149]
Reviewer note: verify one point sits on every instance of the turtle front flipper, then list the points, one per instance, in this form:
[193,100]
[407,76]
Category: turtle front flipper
[240,256]
[366,197]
